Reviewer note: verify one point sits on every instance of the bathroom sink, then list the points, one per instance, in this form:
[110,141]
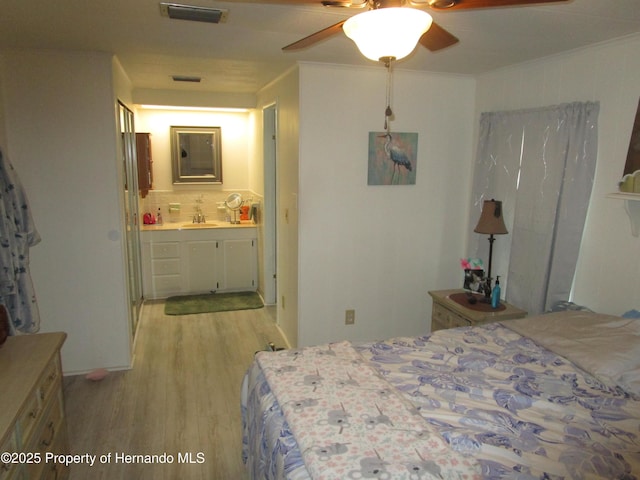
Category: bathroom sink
[199,225]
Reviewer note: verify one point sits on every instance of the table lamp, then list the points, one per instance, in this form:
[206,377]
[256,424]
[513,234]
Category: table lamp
[491,223]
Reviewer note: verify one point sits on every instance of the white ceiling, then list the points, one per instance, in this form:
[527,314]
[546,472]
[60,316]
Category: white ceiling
[245,53]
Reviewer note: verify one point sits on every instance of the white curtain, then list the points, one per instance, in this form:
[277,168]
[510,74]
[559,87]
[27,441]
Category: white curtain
[541,164]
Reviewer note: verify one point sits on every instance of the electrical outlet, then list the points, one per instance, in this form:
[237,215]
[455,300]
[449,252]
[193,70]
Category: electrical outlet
[349,317]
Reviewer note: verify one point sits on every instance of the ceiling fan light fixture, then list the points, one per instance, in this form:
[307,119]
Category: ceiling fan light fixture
[387,32]
[442,4]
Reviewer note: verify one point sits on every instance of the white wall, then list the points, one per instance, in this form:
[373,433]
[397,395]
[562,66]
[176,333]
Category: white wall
[285,93]
[379,249]
[60,127]
[235,146]
[608,271]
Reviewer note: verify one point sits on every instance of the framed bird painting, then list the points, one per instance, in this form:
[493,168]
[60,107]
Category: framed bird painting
[393,158]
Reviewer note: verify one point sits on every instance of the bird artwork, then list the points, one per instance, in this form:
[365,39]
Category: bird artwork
[392,158]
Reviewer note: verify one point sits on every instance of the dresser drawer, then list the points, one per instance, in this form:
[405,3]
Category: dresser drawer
[8,471]
[439,318]
[49,436]
[50,379]
[456,321]
[48,385]
[442,318]
[53,470]
[165,250]
[31,413]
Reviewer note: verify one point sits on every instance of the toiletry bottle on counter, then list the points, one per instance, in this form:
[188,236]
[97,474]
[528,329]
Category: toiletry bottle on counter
[495,294]
[159,217]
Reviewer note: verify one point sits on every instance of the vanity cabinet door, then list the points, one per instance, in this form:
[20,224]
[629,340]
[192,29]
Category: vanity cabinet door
[202,260]
[240,265]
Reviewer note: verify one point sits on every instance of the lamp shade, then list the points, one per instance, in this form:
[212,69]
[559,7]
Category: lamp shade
[387,32]
[491,221]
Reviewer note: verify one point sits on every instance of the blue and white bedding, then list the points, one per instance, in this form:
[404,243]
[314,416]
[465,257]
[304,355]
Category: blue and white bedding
[548,397]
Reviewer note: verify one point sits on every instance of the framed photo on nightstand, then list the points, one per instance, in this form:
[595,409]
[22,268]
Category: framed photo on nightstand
[473,280]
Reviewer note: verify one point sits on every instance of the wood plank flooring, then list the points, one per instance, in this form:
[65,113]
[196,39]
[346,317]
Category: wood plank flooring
[182,397]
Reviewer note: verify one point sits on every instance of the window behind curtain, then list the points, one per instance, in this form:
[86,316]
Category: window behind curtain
[540,163]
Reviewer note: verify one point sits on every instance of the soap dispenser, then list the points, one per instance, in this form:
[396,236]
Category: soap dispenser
[159,217]
[495,294]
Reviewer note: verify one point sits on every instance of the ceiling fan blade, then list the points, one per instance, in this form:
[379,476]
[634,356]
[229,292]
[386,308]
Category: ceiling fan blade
[468,4]
[437,38]
[315,37]
[281,2]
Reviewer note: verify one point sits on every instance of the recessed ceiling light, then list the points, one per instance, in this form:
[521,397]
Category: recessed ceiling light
[193,13]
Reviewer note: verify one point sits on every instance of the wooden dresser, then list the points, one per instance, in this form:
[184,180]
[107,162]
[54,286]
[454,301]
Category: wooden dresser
[448,313]
[32,420]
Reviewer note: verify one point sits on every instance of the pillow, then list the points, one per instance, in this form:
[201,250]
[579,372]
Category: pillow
[605,346]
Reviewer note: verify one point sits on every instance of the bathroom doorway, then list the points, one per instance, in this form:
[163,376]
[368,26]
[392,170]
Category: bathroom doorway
[269,122]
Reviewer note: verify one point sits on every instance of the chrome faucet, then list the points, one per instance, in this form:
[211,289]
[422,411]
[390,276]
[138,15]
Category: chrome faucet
[199,216]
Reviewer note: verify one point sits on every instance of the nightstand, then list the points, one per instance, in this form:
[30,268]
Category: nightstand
[451,309]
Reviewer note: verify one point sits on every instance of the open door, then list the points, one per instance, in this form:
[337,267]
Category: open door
[269,117]
[132,226]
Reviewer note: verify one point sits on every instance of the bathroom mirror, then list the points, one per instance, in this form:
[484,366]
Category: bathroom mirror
[195,153]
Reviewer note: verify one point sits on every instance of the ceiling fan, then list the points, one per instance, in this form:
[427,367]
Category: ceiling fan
[435,38]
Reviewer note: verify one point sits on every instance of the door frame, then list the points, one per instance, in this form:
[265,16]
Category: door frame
[270,155]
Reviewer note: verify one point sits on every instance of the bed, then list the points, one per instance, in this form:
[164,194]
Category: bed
[555,396]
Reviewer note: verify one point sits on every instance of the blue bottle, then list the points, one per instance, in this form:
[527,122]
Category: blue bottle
[495,294]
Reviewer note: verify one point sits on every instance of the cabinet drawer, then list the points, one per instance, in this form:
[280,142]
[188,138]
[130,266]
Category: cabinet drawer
[166,266]
[165,250]
[167,284]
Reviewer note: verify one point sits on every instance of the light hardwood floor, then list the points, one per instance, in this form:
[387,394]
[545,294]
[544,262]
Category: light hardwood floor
[182,396]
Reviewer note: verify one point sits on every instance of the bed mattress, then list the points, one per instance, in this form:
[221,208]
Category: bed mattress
[549,397]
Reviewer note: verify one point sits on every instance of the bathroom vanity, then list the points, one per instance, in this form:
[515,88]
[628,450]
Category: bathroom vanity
[181,259]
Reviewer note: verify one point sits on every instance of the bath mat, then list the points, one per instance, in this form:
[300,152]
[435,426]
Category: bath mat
[212,302]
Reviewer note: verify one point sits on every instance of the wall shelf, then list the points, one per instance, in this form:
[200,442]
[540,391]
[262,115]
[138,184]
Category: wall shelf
[625,196]
[632,207]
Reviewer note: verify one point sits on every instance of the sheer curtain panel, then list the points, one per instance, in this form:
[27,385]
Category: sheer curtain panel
[540,163]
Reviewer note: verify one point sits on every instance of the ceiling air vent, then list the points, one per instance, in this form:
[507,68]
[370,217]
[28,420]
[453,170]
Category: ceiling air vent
[193,13]
[185,78]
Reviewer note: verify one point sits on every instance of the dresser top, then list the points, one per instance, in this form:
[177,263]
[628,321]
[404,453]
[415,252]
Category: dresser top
[22,360]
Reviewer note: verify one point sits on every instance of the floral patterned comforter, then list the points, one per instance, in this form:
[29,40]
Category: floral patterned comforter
[503,403]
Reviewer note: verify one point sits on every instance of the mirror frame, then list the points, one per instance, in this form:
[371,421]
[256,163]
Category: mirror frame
[179,176]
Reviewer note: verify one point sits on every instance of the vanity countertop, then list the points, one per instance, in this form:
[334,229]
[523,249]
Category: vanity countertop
[196,226]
